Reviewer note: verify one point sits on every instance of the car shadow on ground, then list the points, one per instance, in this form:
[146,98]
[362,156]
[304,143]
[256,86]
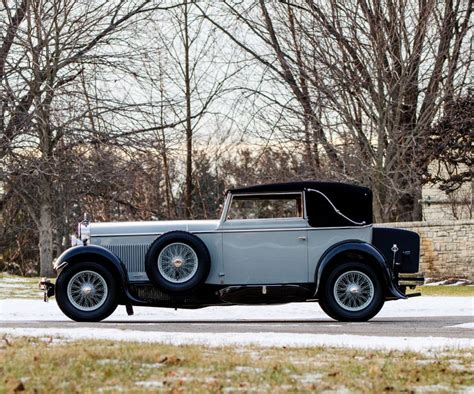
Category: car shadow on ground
[255,321]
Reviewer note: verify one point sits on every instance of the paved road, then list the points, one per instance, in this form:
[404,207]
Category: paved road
[412,327]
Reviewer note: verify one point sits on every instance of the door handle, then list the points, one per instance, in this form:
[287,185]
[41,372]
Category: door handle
[303,238]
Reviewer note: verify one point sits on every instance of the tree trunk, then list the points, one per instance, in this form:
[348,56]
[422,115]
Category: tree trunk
[169,213]
[45,245]
[189,131]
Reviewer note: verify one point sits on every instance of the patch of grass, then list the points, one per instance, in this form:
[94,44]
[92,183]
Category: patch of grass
[13,286]
[105,366]
[445,290]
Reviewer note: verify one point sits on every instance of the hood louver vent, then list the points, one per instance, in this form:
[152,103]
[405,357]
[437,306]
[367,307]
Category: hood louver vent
[133,256]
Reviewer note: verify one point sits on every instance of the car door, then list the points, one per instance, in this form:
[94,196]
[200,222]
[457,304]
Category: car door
[258,249]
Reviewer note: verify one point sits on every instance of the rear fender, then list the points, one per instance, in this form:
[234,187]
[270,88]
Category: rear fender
[372,257]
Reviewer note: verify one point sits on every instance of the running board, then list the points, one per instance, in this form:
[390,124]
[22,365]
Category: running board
[264,294]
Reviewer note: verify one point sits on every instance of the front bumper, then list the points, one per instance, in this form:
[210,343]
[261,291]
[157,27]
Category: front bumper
[47,287]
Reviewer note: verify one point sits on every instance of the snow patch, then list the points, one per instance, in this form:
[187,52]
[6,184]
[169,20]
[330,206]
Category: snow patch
[266,339]
[13,280]
[112,389]
[152,366]
[37,310]
[22,310]
[150,384]
[435,388]
[448,282]
[469,326]
[246,369]
[308,378]
[107,361]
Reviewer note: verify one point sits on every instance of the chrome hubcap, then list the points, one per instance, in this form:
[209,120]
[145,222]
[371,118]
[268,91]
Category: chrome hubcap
[177,262]
[87,291]
[353,291]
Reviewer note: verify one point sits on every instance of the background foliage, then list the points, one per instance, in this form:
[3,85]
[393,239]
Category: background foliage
[149,110]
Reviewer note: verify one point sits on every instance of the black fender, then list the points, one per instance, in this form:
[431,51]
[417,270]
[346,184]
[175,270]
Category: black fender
[376,258]
[76,254]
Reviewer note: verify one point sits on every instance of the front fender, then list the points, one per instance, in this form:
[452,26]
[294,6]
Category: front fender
[375,258]
[77,253]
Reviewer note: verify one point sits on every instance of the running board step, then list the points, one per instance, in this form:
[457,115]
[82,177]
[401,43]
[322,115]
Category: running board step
[264,294]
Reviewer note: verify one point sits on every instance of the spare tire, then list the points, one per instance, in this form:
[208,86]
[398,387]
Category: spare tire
[178,262]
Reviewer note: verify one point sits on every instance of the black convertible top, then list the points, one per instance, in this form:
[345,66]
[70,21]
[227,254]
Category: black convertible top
[353,202]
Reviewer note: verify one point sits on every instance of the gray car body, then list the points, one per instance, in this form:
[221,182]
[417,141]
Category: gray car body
[242,252]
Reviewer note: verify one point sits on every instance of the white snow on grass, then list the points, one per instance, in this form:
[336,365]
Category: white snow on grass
[150,384]
[23,310]
[469,326]
[448,282]
[37,310]
[266,339]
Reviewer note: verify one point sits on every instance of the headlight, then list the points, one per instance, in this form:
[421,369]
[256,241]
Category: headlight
[83,231]
[75,241]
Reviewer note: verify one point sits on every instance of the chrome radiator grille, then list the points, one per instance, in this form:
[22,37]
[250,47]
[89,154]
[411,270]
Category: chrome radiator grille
[133,256]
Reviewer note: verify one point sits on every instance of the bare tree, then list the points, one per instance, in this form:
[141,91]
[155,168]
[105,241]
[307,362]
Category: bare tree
[49,45]
[450,145]
[193,82]
[370,78]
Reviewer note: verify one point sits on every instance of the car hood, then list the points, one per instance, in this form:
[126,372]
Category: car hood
[148,228]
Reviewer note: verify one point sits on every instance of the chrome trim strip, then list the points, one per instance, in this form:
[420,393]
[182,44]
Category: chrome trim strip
[258,230]
[126,235]
[305,212]
[56,267]
[265,193]
[225,209]
[239,231]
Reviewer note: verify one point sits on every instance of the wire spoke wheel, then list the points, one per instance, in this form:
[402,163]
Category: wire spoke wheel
[87,291]
[177,262]
[353,291]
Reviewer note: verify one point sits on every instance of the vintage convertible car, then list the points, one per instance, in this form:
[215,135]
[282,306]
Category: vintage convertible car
[276,243]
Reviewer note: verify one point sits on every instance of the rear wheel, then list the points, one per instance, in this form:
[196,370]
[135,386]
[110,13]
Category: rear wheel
[352,292]
[86,291]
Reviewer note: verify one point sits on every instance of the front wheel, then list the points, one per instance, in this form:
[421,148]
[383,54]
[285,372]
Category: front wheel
[86,292]
[352,292]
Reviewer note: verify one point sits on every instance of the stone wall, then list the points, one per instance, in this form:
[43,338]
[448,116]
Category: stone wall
[447,247]
[439,205]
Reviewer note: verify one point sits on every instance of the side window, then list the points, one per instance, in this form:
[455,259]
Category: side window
[266,206]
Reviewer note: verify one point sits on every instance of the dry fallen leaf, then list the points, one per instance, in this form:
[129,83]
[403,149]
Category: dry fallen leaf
[15,386]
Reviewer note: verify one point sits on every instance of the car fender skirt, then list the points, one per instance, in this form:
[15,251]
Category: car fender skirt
[361,248]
